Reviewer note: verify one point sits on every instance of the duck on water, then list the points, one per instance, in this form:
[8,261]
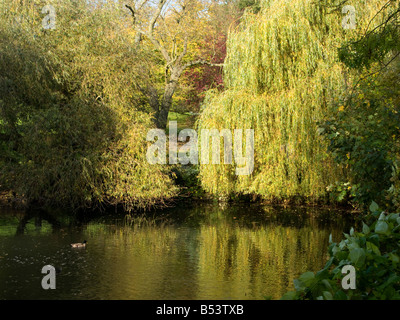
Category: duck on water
[79,245]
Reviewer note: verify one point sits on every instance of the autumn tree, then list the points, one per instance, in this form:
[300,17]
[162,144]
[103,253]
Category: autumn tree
[173,29]
[224,17]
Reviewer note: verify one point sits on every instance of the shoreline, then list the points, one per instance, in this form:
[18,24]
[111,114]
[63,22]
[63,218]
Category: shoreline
[8,200]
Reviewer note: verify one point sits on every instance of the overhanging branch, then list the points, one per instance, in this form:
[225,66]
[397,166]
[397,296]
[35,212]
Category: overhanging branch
[202,62]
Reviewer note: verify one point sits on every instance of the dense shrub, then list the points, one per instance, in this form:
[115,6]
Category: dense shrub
[373,250]
[363,133]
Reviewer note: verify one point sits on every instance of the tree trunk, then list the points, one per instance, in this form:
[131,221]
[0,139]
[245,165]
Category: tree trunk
[165,105]
[166,102]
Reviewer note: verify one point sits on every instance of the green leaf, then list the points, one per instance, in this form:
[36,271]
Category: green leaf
[307,278]
[374,238]
[394,257]
[342,244]
[329,263]
[374,207]
[341,255]
[381,227]
[373,248]
[357,256]
[340,295]
[291,295]
[393,217]
[353,244]
[327,295]
[365,229]
[298,285]
[326,283]
[393,278]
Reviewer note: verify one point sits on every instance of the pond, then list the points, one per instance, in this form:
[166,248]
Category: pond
[190,252]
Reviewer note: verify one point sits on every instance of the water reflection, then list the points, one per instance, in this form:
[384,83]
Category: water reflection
[198,252]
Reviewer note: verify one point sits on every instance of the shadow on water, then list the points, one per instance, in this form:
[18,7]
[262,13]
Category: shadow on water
[38,216]
[207,251]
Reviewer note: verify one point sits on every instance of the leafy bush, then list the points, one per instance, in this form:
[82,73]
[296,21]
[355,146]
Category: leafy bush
[374,253]
[363,137]
[363,134]
[394,190]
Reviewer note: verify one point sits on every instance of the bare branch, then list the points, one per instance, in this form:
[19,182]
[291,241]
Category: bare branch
[150,31]
[157,13]
[202,62]
[133,13]
[141,5]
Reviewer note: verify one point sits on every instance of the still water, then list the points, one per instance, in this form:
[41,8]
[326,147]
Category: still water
[191,252]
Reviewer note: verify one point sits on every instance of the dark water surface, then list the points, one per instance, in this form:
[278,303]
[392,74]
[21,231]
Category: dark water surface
[195,252]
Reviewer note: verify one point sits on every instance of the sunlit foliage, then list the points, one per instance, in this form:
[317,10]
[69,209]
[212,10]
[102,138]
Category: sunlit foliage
[282,75]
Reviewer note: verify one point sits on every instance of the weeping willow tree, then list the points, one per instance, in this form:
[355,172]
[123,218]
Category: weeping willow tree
[282,74]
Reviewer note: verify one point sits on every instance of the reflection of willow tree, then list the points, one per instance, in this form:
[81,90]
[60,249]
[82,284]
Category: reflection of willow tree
[270,258]
[140,250]
[216,257]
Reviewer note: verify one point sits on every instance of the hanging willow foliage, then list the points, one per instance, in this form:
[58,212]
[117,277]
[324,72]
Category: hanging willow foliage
[282,74]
